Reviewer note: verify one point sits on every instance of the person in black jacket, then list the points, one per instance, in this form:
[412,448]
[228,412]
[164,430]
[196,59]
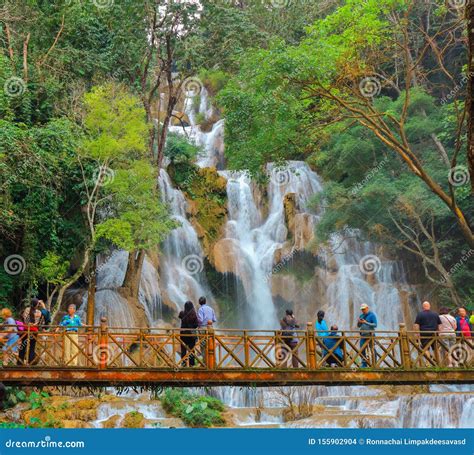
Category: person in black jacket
[189,324]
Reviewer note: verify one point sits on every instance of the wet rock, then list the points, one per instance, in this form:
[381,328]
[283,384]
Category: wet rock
[111,422]
[133,419]
[225,255]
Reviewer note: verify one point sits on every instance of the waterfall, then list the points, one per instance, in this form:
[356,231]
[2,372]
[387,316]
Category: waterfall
[211,142]
[351,287]
[182,265]
[109,303]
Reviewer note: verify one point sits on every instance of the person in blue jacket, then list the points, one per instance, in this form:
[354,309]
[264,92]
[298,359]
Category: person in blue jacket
[334,345]
[320,325]
[367,323]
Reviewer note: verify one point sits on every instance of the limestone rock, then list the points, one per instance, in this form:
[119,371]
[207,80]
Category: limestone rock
[133,419]
[111,422]
[225,255]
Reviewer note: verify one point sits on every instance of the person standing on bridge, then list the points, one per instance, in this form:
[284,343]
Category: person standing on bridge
[427,324]
[189,324]
[290,338]
[320,325]
[462,323]
[205,314]
[33,319]
[71,322]
[447,334]
[367,323]
[9,336]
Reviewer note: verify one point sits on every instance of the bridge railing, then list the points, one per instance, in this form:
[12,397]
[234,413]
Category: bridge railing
[104,347]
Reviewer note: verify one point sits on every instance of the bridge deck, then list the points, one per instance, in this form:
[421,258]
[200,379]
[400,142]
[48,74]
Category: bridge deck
[103,356]
[194,378]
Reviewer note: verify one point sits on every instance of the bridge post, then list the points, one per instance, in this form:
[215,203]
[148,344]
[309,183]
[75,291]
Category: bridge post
[211,347]
[310,346]
[404,347]
[103,344]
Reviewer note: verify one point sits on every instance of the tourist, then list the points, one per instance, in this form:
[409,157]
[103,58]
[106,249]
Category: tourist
[367,323]
[45,312]
[71,322]
[462,322]
[33,319]
[205,313]
[334,345]
[427,324]
[320,325]
[290,338]
[189,324]
[9,336]
[447,334]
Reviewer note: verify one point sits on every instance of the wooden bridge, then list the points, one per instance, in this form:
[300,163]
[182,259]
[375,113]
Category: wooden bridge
[105,356]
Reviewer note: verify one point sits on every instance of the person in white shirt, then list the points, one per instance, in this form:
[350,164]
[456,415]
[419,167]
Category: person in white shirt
[205,313]
[447,333]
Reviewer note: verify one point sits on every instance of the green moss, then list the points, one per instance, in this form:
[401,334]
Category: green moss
[207,190]
[194,410]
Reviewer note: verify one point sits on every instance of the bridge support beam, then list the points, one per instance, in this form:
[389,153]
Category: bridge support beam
[193,377]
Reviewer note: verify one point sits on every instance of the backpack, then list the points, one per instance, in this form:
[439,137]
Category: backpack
[20,326]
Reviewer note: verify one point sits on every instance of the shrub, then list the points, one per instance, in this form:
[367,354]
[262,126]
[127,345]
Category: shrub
[194,410]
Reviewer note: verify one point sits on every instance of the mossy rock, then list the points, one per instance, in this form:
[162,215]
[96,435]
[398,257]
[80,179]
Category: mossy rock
[206,193]
[111,422]
[87,403]
[133,419]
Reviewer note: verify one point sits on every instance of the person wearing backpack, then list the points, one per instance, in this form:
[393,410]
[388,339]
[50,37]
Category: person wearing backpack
[33,319]
[9,336]
[290,338]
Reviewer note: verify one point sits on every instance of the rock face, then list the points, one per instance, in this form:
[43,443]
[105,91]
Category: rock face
[225,255]
[62,412]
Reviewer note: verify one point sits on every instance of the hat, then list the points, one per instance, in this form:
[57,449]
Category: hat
[363,306]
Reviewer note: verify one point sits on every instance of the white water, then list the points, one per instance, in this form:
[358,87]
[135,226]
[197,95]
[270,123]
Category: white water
[109,303]
[211,142]
[182,266]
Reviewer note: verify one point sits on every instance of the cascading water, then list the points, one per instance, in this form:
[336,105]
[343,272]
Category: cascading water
[257,232]
[255,238]
[183,260]
[211,142]
[109,303]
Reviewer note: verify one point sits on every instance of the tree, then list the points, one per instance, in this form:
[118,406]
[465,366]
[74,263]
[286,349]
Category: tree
[470,98]
[53,270]
[115,130]
[343,81]
[140,221]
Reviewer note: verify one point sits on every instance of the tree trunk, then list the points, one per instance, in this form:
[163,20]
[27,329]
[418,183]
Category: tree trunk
[470,96]
[133,274]
[70,282]
[91,299]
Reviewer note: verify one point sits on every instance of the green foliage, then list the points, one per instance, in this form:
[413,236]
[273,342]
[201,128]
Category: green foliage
[213,80]
[53,269]
[14,395]
[179,150]
[115,122]
[194,410]
[37,400]
[140,220]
